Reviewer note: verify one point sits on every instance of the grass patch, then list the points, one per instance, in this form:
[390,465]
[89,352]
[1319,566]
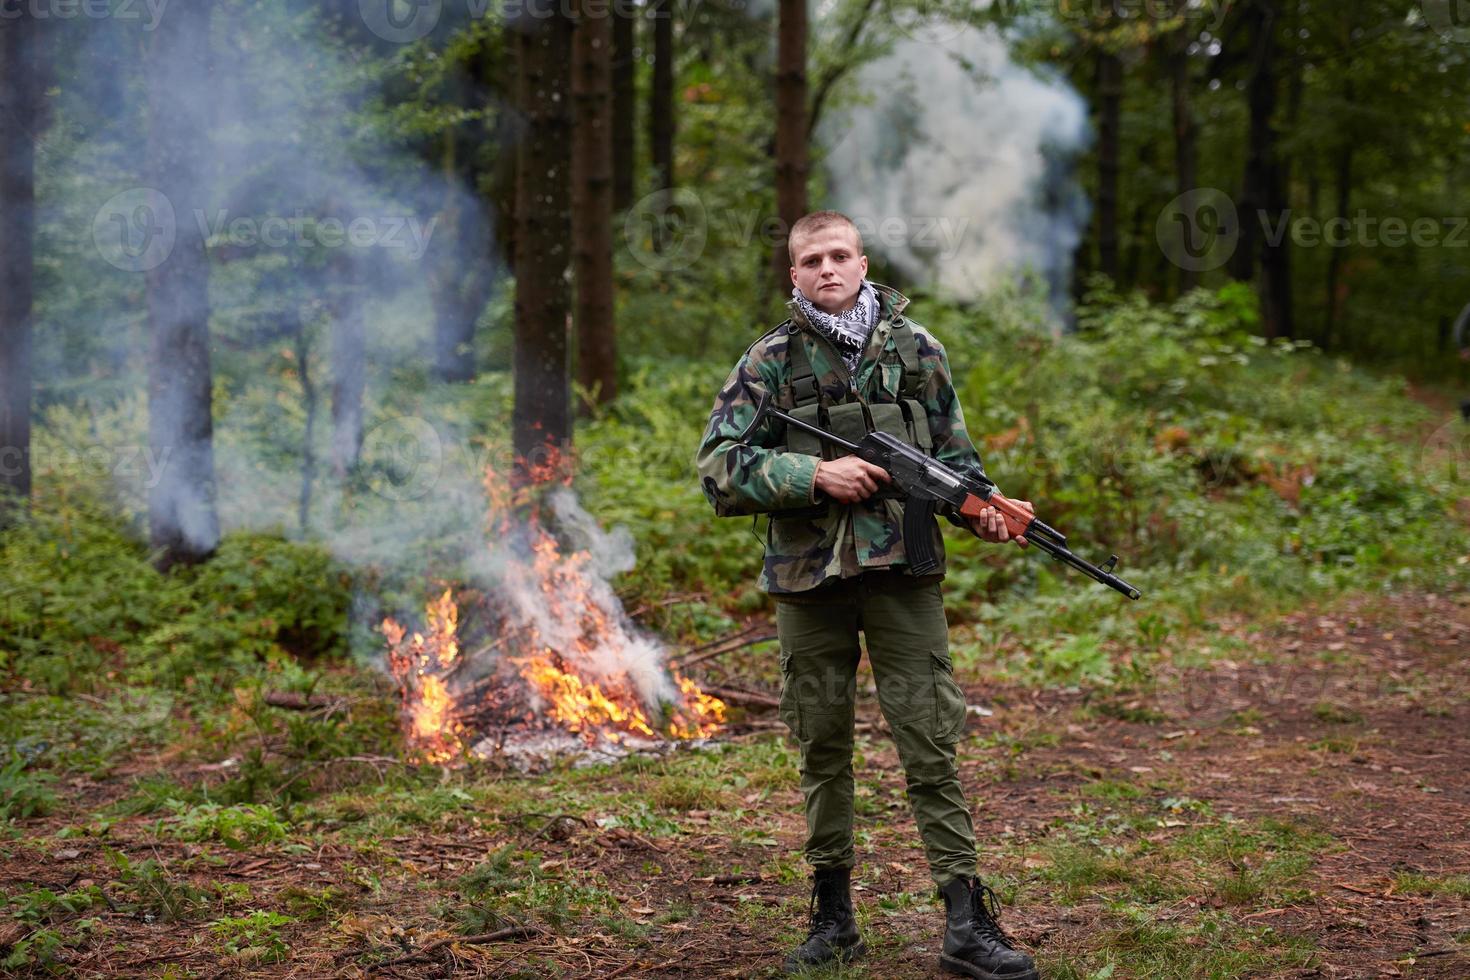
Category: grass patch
[1212,946]
[1330,713]
[511,887]
[1418,883]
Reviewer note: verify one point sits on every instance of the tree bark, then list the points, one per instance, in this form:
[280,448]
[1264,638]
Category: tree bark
[1186,166]
[20,94]
[302,351]
[1268,179]
[1109,112]
[349,363]
[1332,315]
[541,420]
[661,96]
[592,235]
[183,524]
[461,259]
[624,108]
[791,130]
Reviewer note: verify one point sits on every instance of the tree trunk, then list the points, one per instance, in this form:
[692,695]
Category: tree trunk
[461,264]
[1269,189]
[461,287]
[349,363]
[454,290]
[1186,165]
[1331,320]
[20,93]
[302,351]
[1109,112]
[183,524]
[791,131]
[661,99]
[541,419]
[624,108]
[592,204]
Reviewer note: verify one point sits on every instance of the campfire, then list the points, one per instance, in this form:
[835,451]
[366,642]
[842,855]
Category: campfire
[559,665]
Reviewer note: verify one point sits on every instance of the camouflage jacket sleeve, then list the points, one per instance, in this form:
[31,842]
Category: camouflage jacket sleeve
[952,443]
[754,477]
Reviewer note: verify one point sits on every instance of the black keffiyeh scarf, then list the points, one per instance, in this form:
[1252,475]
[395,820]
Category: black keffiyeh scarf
[847,330]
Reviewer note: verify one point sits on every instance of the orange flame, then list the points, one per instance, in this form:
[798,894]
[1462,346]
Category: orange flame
[575,676]
[420,664]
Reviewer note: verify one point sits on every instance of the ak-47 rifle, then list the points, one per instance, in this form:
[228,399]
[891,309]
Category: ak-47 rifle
[927,482]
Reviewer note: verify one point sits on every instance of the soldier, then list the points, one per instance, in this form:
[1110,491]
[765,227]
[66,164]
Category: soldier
[849,359]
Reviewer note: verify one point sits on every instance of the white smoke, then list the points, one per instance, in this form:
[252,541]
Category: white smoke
[968,151]
[312,217]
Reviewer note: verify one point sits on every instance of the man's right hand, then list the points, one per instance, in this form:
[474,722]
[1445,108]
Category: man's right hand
[849,479]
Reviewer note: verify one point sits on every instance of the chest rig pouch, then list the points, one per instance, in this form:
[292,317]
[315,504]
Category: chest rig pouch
[852,418]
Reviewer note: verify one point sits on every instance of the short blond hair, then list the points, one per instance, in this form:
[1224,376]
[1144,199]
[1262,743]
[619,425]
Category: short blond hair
[819,221]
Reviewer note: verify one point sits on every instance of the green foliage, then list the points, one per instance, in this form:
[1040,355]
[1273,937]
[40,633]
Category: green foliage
[45,906]
[89,736]
[152,891]
[237,827]
[37,951]
[254,937]
[23,791]
[310,904]
[510,886]
[80,603]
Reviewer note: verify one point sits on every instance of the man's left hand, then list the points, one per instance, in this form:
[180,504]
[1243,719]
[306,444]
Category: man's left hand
[990,524]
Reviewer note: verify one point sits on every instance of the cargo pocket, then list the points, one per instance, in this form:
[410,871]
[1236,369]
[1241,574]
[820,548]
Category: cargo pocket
[790,710]
[949,701]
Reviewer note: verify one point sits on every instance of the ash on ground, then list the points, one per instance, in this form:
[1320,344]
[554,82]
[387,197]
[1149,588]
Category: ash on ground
[536,751]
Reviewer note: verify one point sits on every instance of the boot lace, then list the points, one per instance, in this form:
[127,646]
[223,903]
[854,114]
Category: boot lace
[984,911]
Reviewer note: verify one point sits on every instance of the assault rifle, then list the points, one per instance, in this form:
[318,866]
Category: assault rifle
[927,482]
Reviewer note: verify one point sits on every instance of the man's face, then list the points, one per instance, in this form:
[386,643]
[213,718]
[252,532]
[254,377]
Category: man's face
[828,267]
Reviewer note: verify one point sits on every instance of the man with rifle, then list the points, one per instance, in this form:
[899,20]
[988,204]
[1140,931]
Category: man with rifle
[848,372]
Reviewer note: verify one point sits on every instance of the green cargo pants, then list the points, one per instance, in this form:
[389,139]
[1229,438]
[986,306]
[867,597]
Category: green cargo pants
[908,647]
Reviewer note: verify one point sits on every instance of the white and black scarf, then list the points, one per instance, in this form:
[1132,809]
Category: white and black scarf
[848,330]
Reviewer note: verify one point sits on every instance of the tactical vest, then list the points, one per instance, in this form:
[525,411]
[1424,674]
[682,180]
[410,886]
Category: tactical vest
[904,419]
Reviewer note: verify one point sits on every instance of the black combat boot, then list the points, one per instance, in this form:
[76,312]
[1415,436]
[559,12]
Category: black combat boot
[834,933]
[974,945]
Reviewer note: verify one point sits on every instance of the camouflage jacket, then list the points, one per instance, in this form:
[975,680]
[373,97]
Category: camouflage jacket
[758,477]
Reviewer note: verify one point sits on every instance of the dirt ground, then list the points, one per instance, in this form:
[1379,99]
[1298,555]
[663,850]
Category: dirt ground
[1350,722]
[1362,731]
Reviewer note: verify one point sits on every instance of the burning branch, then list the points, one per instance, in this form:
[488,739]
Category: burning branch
[567,658]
